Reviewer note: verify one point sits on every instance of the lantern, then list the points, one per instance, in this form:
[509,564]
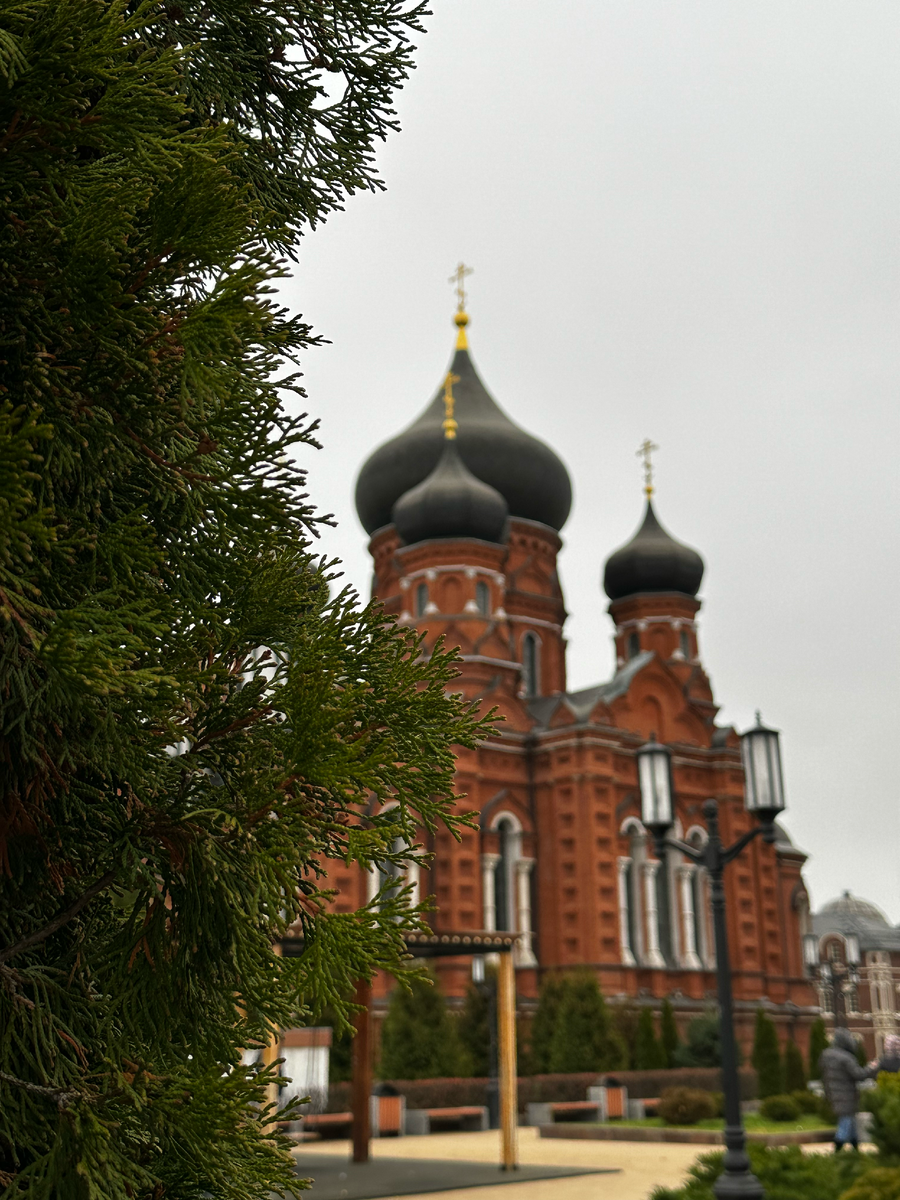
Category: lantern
[763,786]
[655,775]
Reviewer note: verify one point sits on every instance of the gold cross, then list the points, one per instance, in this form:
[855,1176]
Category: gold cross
[450,426]
[459,278]
[645,450]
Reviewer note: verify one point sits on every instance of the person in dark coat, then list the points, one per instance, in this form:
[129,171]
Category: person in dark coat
[841,1076]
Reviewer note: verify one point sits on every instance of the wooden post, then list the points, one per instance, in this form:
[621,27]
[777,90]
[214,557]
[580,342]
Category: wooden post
[509,1100]
[271,1053]
[362,1073]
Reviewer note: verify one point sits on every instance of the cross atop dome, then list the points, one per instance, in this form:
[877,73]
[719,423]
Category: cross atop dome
[461,318]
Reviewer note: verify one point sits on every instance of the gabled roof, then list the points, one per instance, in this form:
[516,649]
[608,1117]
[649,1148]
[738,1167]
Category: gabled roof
[582,703]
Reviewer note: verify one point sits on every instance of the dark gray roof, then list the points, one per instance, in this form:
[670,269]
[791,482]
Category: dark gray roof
[652,562]
[852,914]
[451,502]
[581,703]
[526,472]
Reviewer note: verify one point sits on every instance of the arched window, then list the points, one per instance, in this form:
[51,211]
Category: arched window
[685,644]
[530,681]
[421,599]
[634,645]
[504,875]
[483,598]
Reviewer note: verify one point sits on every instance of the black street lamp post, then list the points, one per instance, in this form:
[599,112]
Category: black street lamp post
[837,977]
[764,797]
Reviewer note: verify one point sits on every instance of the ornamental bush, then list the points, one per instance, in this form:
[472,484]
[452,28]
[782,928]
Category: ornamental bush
[648,1053]
[668,1034]
[883,1183]
[786,1173]
[686,1106]
[419,1038]
[767,1057]
[794,1070]
[780,1108]
[883,1102]
[818,1041]
[581,1035]
[702,1046]
[808,1102]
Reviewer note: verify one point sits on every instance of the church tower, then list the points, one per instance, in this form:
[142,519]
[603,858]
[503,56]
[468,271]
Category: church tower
[464,511]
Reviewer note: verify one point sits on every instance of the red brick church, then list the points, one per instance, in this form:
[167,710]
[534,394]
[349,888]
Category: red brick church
[464,509]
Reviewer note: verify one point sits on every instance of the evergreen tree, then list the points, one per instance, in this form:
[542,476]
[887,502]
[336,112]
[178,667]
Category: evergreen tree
[648,1053]
[669,1034]
[767,1056]
[419,1038]
[794,1070]
[192,726]
[818,1041]
[543,1026]
[625,1019]
[583,1038]
[703,1044]
[861,1057]
[475,1027]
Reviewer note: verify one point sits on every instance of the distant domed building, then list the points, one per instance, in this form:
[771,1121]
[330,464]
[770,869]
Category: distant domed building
[850,929]
[464,510]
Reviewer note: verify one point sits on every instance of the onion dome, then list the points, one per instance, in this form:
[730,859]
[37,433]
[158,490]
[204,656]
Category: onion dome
[450,501]
[652,562]
[529,476]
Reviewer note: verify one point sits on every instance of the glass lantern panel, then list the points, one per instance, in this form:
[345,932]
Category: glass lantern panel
[656,798]
[762,770]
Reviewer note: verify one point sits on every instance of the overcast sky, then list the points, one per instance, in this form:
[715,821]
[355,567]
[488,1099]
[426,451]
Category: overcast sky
[683,220]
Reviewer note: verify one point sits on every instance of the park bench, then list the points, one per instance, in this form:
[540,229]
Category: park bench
[328,1125]
[562,1110]
[430,1120]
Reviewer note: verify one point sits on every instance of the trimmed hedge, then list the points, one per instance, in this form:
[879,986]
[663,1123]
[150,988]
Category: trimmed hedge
[645,1085]
[458,1093]
[535,1089]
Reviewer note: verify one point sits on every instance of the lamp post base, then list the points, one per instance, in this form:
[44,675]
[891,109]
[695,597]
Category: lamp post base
[737,1180]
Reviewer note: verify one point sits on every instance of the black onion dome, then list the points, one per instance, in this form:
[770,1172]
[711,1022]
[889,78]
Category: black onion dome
[451,502]
[527,474]
[652,562]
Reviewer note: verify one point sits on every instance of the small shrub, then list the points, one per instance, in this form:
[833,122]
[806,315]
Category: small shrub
[882,1183]
[703,1046]
[786,1173]
[818,1041]
[686,1106]
[767,1057]
[807,1101]
[780,1108]
[883,1102]
[794,1070]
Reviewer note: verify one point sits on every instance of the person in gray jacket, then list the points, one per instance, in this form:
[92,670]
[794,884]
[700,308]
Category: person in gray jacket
[841,1076]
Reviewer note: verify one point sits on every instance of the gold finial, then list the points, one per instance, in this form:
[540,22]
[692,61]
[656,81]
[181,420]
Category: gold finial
[450,426]
[461,318]
[645,450]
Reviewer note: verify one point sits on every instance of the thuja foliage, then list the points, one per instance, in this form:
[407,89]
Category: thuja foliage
[668,1033]
[786,1174]
[478,1014]
[582,1036]
[543,1025]
[794,1070]
[191,724]
[648,1052]
[702,1046]
[419,1037]
[766,1056]
[818,1041]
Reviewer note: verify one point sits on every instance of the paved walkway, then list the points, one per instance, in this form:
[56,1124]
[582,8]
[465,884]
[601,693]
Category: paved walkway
[639,1167]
